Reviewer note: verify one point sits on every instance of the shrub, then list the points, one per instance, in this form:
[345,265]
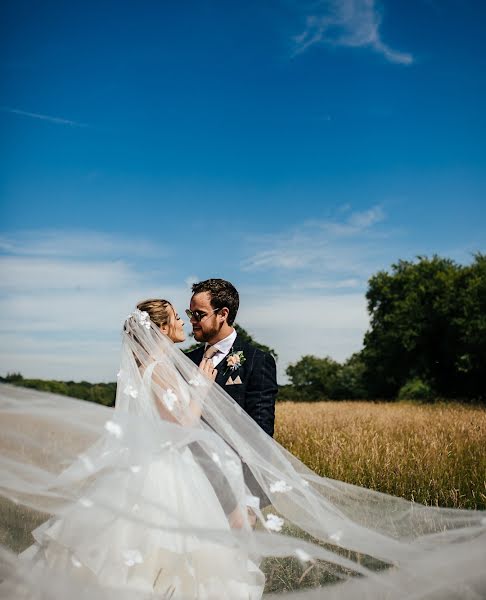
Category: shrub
[416,389]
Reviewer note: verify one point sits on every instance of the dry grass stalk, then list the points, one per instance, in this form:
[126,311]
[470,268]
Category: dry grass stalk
[434,454]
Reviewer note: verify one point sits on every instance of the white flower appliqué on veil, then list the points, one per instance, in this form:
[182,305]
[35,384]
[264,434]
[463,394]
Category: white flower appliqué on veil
[129,390]
[86,502]
[197,381]
[76,562]
[336,537]
[280,486]
[114,429]
[170,398]
[132,557]
[216,459]
[274,523]
[302,555]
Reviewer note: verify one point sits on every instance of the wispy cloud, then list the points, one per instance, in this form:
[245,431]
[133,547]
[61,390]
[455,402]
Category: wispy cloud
[24,274]
[346,249]
[77,244]
[348,23]
[64,295]
[48,118]
[69,286]
[317,270]
[359,221]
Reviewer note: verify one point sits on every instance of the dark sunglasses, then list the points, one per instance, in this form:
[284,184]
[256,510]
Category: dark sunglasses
[198,315]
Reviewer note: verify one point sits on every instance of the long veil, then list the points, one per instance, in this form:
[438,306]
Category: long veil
[80,470]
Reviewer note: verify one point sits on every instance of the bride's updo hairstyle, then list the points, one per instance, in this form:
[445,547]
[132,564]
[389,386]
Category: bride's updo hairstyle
[158,310]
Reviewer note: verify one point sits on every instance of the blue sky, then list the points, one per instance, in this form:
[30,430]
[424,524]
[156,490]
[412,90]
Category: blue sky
[294,148]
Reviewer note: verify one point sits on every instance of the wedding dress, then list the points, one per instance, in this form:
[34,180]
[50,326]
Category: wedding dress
[102,545]
[137,502]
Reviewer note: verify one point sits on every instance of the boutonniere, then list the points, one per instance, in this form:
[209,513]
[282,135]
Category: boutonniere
[234,360]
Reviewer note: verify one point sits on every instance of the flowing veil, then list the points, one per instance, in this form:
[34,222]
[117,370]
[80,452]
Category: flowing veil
[136,502]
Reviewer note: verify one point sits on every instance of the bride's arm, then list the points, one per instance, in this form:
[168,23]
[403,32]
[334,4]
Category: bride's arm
[174,397]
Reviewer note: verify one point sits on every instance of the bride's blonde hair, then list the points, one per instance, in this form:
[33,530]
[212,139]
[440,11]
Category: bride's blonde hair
[158,311]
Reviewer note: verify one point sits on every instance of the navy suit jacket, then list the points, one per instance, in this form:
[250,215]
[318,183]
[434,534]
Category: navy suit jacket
[256,395]
[258,390]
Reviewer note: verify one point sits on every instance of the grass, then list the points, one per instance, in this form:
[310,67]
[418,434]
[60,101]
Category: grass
[16,524]
[433,454]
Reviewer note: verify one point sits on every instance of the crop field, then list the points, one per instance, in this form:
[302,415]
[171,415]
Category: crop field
[433,454]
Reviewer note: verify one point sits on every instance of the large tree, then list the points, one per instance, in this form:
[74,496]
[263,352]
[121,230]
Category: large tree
[470,324]
[428,321]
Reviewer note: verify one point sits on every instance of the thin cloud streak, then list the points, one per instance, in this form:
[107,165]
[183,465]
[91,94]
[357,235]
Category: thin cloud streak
[77,244]
[346,248]
[48,118]
[365,219]
[23,274]
[347,23]
[328,324]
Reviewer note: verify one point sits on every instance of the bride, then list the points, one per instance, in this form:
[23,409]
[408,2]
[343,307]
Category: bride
[150,468]
[138,499]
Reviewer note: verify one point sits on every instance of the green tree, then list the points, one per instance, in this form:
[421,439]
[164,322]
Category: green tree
[101,393]
[470,325]
[12,378]
[349,384]
[427,322]
[314,378]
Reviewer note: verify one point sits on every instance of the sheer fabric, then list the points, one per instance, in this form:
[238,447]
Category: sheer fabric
[141,500]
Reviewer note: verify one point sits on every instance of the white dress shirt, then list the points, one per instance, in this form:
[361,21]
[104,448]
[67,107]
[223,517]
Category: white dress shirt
[223,346]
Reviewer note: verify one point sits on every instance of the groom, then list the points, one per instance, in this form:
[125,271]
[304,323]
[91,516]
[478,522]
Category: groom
[244,371]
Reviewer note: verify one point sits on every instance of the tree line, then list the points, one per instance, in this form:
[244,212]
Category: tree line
[101,393]
[427,339]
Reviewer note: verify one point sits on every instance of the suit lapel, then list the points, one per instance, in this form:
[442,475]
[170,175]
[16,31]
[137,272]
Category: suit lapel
[198,355]
[224,373]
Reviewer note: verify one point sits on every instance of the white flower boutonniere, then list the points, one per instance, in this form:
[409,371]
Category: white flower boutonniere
[234,360]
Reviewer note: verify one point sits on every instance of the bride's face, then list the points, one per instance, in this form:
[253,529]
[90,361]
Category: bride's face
[175,328]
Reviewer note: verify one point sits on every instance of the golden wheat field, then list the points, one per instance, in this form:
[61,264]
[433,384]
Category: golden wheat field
[434,454]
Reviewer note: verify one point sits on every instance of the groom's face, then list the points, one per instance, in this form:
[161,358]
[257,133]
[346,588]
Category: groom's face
[208,327]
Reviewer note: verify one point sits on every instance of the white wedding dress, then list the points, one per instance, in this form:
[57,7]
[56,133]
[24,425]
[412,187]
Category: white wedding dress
[103,546]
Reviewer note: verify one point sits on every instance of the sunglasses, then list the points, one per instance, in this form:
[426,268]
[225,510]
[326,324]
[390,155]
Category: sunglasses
[198,315]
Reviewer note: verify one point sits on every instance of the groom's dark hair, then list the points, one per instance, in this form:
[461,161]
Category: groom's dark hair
[222,294]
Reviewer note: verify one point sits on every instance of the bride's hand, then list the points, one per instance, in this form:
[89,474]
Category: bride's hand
[237,519]
[207,367]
